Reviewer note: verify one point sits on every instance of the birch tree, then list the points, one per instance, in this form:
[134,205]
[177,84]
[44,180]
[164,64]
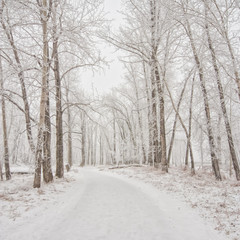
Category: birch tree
[43,6]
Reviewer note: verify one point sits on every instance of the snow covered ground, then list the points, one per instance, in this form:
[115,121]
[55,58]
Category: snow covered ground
[91,204]
[216,202]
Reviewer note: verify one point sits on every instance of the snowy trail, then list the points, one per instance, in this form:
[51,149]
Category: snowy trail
[101,206]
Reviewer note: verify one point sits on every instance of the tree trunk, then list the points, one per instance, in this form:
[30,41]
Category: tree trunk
[162,119]
[154,127]
[149,104]
[95,146]
[101,149]
[83,148]
[4,124]
[219,138]
[70,162]
[114,139]
[89,146]
[47,168]
[1,174]
[190,132]
[59,128]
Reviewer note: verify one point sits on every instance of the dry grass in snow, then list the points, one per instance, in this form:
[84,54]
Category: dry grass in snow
[18,197]
[218,202]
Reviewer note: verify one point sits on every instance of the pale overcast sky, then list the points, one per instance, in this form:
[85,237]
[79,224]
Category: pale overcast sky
[112,76]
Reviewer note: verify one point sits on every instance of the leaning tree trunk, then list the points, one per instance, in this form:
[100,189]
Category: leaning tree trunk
[175,121]
[222,101]
[212,146]
[183,126]
[59,128]
[4,124]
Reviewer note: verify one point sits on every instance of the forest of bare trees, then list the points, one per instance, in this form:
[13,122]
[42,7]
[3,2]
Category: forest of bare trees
[178,106]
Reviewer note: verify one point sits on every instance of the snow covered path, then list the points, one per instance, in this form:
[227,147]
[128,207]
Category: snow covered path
[101,206]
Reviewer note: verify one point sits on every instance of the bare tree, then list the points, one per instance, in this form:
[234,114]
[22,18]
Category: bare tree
[5,22]
[221,95]
[212,145]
